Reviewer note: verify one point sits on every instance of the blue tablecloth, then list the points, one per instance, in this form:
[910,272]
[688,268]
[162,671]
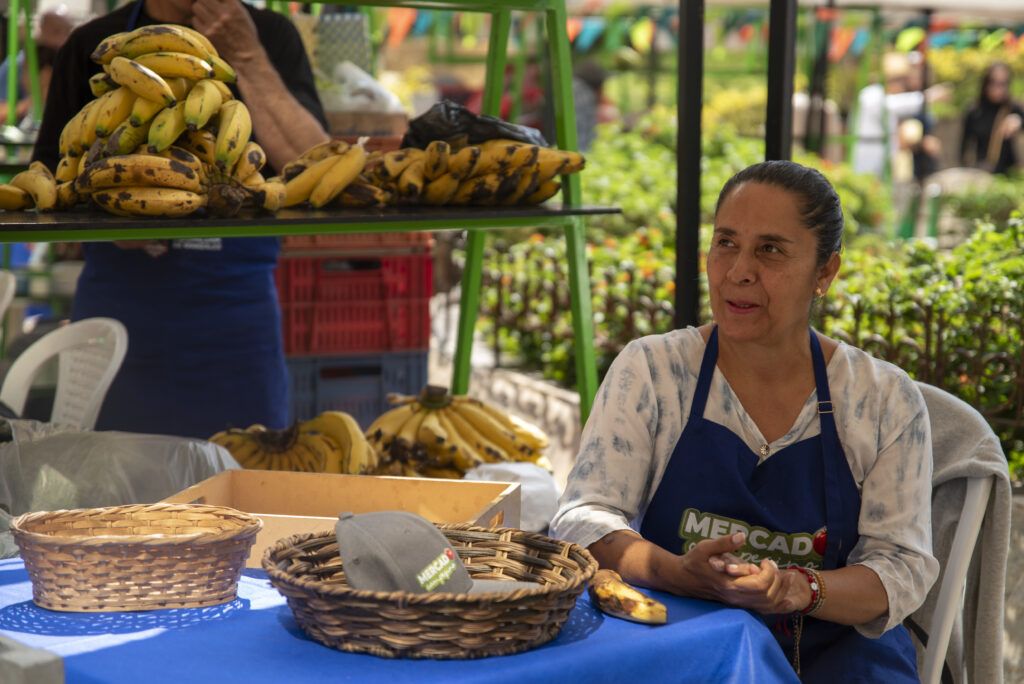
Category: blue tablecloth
[254,639]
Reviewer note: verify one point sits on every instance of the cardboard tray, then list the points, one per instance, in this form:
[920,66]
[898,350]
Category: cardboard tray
[290,503]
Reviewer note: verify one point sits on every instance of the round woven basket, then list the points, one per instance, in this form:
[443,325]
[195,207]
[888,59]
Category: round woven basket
[140,557]
[307,570]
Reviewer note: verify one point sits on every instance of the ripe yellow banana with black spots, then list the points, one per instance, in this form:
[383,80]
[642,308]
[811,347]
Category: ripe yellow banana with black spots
[167,127]
[87,132]
[364,195]
[144,110]
[383,430]
[530,435]
[211,51]
[252,161]
[143,81]
[149,201]
[489,427]
[234,126]
[440,190]
[110,47]
[67,169]
[609,592]
[126,138]
[342,173]
[463,453]
[163,38]
[101,83]
[200,143]
[503,156]
[545,192]
[113,108]
[270,196]
[394,163]
[410,183]
[298,189]
[355,455]
[222,71]
[179,154]
[323,150]
[67,143]
[38,182]
[176,65]
[487,190]
[202,103]
[13,198]
[481,445]
[462,164]
[529,182]
[435,159]
[142,170]
[68,196]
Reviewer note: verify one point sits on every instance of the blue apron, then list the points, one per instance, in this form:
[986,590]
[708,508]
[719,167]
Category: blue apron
[799,507]
[204,332]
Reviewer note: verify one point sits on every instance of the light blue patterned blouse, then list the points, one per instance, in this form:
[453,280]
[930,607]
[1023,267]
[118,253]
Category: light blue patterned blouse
[882,422]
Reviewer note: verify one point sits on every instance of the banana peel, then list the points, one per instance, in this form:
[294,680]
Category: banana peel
[609,592]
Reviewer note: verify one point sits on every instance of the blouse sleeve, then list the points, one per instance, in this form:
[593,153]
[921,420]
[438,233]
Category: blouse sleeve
[895,514]
[609,481]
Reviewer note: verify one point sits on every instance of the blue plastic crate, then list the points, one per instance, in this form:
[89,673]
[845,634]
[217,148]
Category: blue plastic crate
[356,385]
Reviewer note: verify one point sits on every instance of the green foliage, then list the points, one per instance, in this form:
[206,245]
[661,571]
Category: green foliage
[994,203]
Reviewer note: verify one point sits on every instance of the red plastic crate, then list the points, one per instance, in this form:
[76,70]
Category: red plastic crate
[350,326]
[357,241]
[336,279]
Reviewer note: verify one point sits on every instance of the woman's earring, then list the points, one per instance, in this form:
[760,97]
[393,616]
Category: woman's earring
[818,293]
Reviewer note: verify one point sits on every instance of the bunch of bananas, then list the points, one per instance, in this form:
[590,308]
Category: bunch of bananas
[439,435]
[33,187]
[329,173]
[164,136]
[496,172]
[332,442]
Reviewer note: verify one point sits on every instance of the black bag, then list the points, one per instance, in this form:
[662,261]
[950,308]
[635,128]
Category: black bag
[458,126]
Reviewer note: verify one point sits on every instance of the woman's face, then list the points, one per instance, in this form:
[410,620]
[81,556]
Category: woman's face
[997,88]
[762,270]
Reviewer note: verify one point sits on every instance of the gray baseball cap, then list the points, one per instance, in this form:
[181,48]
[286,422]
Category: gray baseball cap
[402,551]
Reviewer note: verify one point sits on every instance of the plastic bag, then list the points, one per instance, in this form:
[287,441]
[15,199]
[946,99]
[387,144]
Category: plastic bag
[450,121]
[537,487]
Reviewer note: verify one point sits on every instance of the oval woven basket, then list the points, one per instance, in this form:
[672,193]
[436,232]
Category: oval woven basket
[140,557]
[307,570]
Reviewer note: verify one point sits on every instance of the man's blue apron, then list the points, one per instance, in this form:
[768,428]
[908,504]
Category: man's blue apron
[204,332]
[800,507]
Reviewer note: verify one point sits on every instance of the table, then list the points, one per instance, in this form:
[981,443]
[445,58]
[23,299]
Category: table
[254,639]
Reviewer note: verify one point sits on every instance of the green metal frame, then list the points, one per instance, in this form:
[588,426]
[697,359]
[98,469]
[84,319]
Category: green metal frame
[15,7]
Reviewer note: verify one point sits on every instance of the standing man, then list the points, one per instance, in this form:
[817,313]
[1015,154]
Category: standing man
[204,325]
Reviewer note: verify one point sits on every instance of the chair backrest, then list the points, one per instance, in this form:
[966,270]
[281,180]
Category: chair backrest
[8,284]
[957,432]
[951,592]
[90,353]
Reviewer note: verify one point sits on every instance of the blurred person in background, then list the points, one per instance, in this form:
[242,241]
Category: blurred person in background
[991,125]
[54,28]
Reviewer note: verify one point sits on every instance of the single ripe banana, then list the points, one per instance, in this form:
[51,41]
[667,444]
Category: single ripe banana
[441,190]
[342,173]
[462,164]
[126,138]
[298,189]
[13,198]
[113,108]
[222,71]
[203,101]
[410,183]
[149,201]
[142,170]
[109,48]
[167,127]
[67,144]
[545,192]
[252,161]
[200,143]
[615,597]
[364,195]
[435,161]
[394,163]
[234,129]
[143,81]
[101,83]
[176,65]
[38,182]
[163,38]
[67,169]
[270,196]
[87,132]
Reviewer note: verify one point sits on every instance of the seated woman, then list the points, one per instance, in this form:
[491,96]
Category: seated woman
[758,463]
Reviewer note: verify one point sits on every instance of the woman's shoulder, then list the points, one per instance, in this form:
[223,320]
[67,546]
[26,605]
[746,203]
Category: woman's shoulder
[873,379]
[673,351]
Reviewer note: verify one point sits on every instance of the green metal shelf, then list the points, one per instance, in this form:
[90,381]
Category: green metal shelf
[96,226]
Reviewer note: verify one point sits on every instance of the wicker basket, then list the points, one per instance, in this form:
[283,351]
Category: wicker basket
[306,568]
[140,557]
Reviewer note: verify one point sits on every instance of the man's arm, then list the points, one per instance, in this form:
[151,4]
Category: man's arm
[284,127]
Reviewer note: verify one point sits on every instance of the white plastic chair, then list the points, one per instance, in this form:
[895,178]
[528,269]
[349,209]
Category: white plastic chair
[90,353]
[951,593]
[8,283]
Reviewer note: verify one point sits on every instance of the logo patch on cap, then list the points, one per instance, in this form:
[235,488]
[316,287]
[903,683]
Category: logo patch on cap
[437,571]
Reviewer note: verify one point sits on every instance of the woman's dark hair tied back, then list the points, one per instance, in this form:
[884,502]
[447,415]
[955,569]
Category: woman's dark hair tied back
[820,208]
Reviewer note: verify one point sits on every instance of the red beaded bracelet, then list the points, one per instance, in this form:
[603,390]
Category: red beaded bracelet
[817,589]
